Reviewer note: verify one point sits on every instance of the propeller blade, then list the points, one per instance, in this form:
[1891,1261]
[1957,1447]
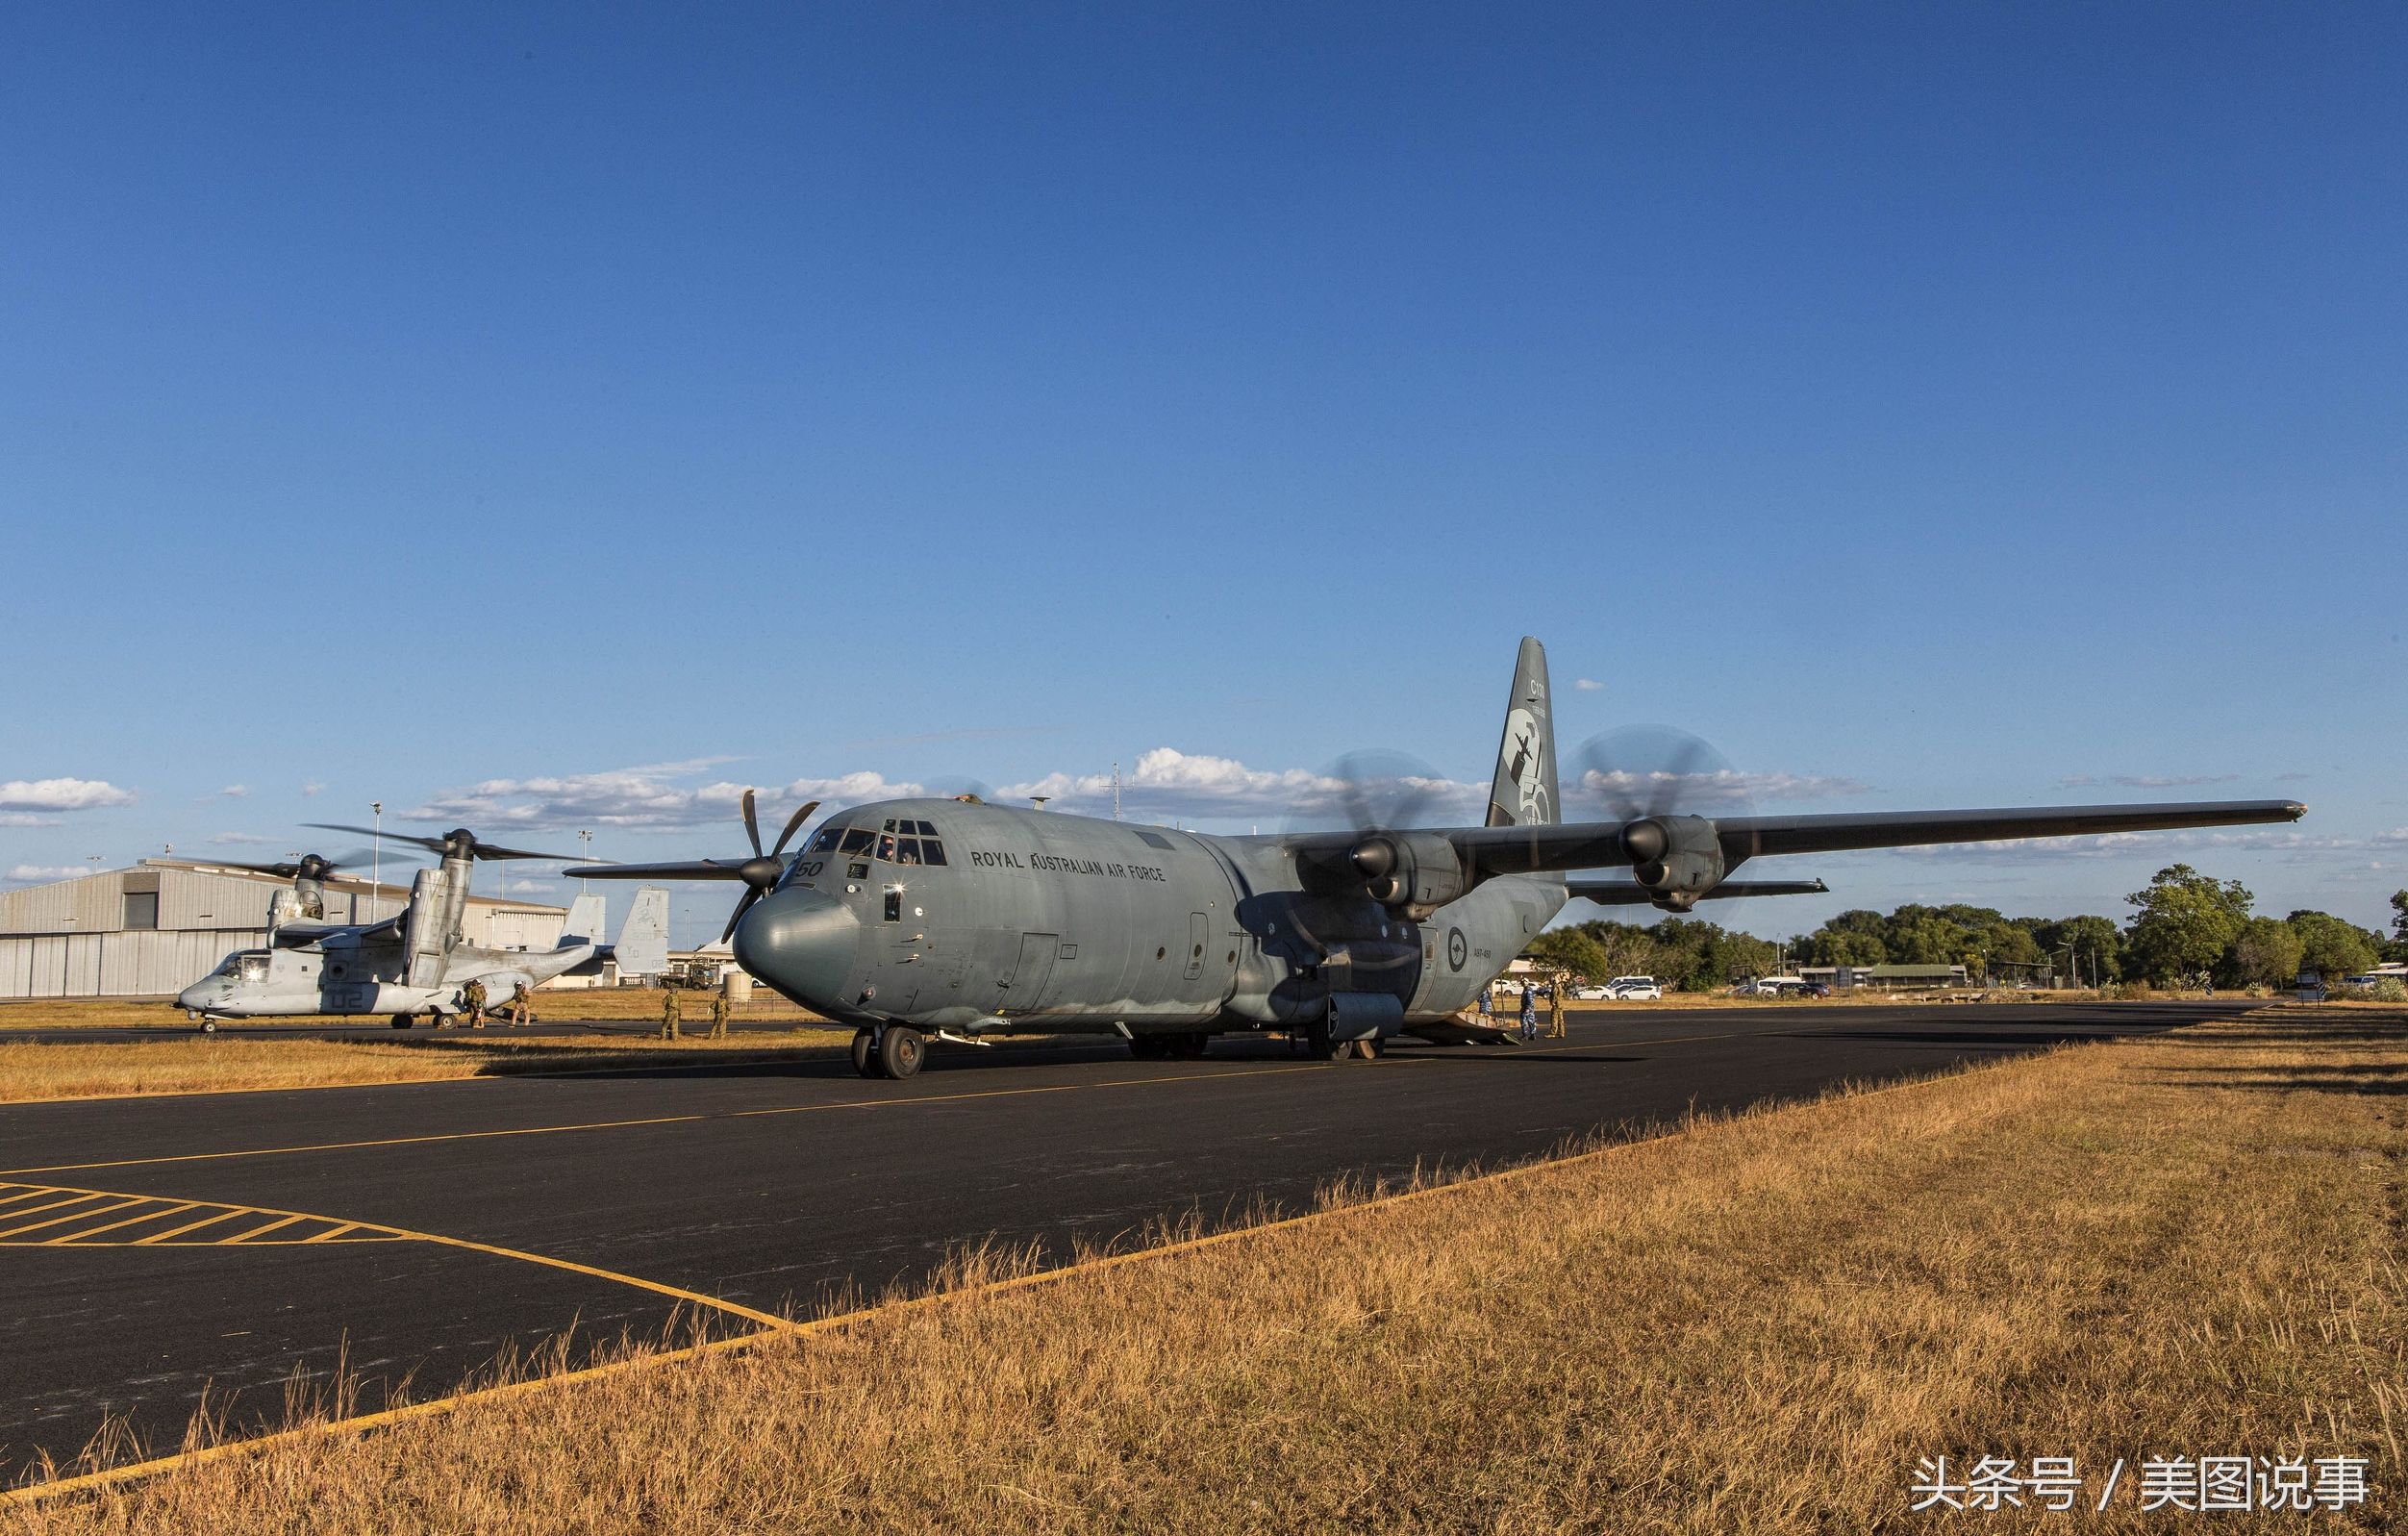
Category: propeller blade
[752,893]
[793,824]
[679,870]
[430,845]
[752,827]
[482,849]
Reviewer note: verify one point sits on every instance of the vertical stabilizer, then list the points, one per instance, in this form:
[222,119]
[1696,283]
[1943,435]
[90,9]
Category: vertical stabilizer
[1523,792]
[585,920]
[644,939]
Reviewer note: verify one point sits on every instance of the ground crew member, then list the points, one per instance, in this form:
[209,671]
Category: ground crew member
[1555,1010]
[521,1011]
[1529,1013]
[669,1010]
[718,1014]
[472,1003]
[1488,1007]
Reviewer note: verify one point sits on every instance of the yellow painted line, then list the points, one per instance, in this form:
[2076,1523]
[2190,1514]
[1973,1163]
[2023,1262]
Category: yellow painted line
[259,1231]
[15,1232]
[23,1192]
[679,1120]
[173,1209]
[71,1197]
[779,1327]
[333,1232]
[223,1213]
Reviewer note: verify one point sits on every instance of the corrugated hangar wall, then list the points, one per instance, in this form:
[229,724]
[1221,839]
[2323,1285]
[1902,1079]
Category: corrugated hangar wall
[157,928]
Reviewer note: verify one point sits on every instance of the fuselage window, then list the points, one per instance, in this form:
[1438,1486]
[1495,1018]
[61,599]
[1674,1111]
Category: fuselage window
[826,841]
[857,840]
[886,846]
[931,851]
[890,826]
[895,906]
[906,851]
[926,831]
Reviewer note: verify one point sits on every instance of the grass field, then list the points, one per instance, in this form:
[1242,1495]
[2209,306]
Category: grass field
[195,1064]
[2191,1244]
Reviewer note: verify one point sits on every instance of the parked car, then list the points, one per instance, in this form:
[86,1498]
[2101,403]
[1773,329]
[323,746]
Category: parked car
[1593,993]
[1634,989]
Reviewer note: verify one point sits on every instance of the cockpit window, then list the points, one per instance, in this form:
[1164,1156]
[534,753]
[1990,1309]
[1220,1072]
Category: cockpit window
[856,840]
[251,965]
[886,844]
[826,841]
[931,851]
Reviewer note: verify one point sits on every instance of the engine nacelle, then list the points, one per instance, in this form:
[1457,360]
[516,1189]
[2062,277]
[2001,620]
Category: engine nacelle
[1414,872]
[1676,858]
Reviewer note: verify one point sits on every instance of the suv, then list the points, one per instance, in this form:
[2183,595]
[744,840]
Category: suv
[1634,989]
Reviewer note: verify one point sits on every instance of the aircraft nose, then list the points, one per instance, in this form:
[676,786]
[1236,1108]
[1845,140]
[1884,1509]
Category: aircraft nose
[800,943]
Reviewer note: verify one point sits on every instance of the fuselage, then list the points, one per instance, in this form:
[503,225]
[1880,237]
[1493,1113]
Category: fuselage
[957,916]
[337,974]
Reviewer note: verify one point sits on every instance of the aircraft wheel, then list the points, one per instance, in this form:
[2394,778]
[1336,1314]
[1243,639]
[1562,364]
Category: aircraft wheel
[900,1050]
[866,1053]
[1321,1047]
[209,1025]
[1149,1048]
[1189,1047]
[403,1020]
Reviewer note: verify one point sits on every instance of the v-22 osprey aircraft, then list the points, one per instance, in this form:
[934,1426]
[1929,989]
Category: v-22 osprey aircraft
[416,961]
[951,918]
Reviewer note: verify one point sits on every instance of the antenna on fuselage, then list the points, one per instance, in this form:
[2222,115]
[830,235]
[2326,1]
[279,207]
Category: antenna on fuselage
[1039,800]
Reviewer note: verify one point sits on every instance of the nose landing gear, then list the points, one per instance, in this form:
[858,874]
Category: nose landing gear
[893,1051]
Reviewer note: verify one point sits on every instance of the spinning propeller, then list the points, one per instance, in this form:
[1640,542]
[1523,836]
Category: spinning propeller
[458,843]
[760,874]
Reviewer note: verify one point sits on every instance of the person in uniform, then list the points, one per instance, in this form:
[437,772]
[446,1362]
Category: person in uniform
[472,1003]
[1555,1008]
[521,1010]
[1487,1006]
[719,1014]
[671,1009]
[1529,1011]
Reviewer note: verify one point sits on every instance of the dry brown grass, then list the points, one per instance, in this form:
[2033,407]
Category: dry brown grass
[2187,1244]
[202,1065]
[604,1003]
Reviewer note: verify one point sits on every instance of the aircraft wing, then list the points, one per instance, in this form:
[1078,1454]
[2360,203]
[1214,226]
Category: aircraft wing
[1624,893]
[1542,849]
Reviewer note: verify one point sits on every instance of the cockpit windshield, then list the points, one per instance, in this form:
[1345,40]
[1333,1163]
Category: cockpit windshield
[897,839]
[250,964]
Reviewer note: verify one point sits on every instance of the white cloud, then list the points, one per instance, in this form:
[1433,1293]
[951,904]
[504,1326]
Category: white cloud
[643,797]
[1724,789]
[28,818]
[61,794]
[27,873]
[226,840]
[1169,785]
[2143,781]
[235,792]
[1587,685]
[310,788]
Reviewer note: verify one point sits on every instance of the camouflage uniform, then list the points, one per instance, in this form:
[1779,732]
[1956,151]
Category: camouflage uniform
[1555,1009]
[719,1016]
[670,1010]
[472,1003]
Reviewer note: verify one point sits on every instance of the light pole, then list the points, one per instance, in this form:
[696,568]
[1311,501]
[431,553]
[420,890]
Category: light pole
[584,848]
[376,865]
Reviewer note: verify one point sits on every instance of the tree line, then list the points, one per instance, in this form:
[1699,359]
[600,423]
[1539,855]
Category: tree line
[2183,927]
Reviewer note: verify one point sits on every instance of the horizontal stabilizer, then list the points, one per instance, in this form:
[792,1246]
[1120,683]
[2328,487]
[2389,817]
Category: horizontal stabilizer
[1631,894]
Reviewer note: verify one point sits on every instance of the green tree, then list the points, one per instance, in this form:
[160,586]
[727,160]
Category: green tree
[1853,938]
[1575,950]
[2183,923]
[2097,945]
[2331,946]
[2265,954]
[2398,948]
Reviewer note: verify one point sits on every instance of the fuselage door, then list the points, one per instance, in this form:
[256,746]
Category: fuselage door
[1026,990]
[1199,934]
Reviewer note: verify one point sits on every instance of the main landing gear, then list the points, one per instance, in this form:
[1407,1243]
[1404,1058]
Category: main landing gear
[1319,1046]
[893,1051]
[1184,1046]
[403,1020]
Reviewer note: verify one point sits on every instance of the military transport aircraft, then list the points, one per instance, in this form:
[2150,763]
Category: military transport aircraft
[966,920]
[412,962]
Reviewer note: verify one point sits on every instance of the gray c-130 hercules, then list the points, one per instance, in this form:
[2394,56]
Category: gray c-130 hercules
[962,919]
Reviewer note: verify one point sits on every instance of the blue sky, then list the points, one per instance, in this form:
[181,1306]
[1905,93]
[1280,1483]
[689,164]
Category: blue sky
[565,415]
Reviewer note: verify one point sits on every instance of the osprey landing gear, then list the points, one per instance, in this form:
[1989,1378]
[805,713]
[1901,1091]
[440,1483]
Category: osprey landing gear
[403,1020]
[893,1051]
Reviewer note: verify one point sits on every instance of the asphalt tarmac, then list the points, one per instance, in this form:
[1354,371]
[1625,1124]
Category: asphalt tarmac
[152,1250]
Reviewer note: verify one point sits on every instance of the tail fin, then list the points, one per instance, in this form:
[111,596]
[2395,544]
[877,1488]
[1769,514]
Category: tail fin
[1523,792]
[644,939]
[585,920]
